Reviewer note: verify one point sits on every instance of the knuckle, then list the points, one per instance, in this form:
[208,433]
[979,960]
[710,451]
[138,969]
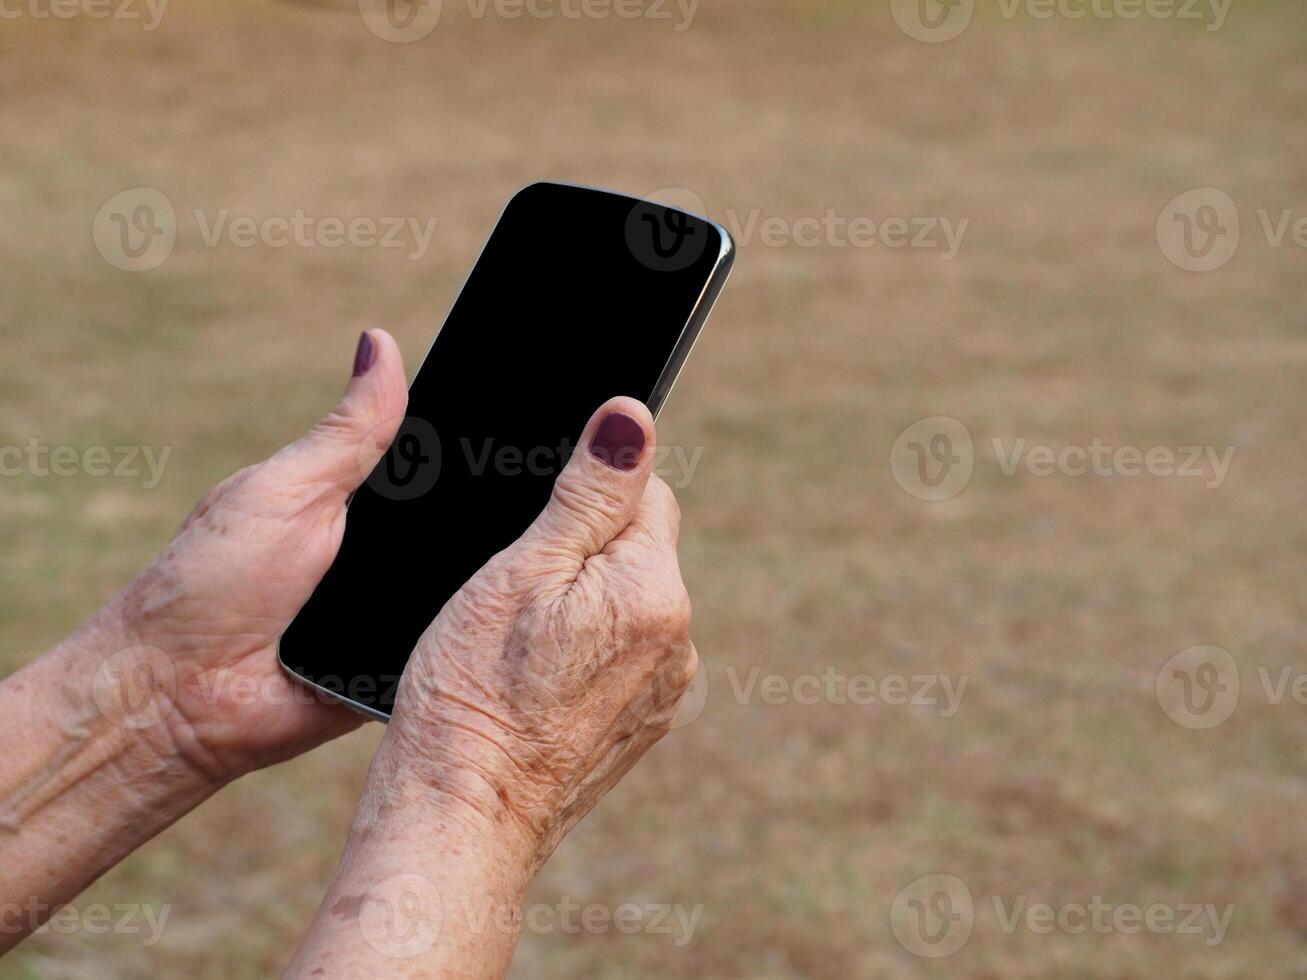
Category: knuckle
[658,690]
[690,663]
[340,423]
[681,667]
[219,494]
[666,609]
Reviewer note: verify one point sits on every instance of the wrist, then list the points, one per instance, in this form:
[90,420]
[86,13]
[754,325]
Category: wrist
[449,790]
[76,780]
[109,700]
[430,883]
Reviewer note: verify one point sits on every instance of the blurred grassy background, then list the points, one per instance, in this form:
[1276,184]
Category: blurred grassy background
[1060,321]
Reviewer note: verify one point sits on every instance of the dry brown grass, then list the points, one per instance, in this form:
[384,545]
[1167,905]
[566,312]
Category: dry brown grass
[1060,321]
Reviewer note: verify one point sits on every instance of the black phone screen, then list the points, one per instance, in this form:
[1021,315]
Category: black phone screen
[578,295]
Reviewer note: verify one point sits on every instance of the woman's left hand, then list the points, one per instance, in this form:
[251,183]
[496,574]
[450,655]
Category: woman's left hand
[173,689]
[202,622]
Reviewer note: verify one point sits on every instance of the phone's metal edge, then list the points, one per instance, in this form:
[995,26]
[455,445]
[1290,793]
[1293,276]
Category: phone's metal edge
[333,696]
[680,354]
[703,306]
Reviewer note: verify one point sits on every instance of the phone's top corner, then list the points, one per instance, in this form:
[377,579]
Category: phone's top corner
[726,255]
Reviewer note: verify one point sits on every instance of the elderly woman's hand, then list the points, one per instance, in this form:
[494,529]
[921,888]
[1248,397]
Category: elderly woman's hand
[534,691]
[173,688]
[553,670]
[202,622]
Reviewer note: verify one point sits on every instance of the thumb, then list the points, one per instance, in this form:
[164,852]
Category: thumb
[342,448]
[597,494]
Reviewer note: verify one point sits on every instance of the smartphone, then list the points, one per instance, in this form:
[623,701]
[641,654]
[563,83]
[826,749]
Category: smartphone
[578,295]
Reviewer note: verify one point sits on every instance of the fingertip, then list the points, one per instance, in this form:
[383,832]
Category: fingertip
[599,491]
[377,351]
[621,434]
[365,355]
[383,339]
[379,373]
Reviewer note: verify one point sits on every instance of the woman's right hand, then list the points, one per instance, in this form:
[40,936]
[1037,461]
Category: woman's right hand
[548,675]
[538,686]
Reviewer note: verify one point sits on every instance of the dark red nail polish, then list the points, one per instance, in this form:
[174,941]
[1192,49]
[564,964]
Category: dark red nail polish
[618,441]
[365,355]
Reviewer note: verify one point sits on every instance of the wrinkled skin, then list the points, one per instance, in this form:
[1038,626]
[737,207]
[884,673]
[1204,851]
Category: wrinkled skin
[560,663]
[537,687]
[220,595]
[541,682]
